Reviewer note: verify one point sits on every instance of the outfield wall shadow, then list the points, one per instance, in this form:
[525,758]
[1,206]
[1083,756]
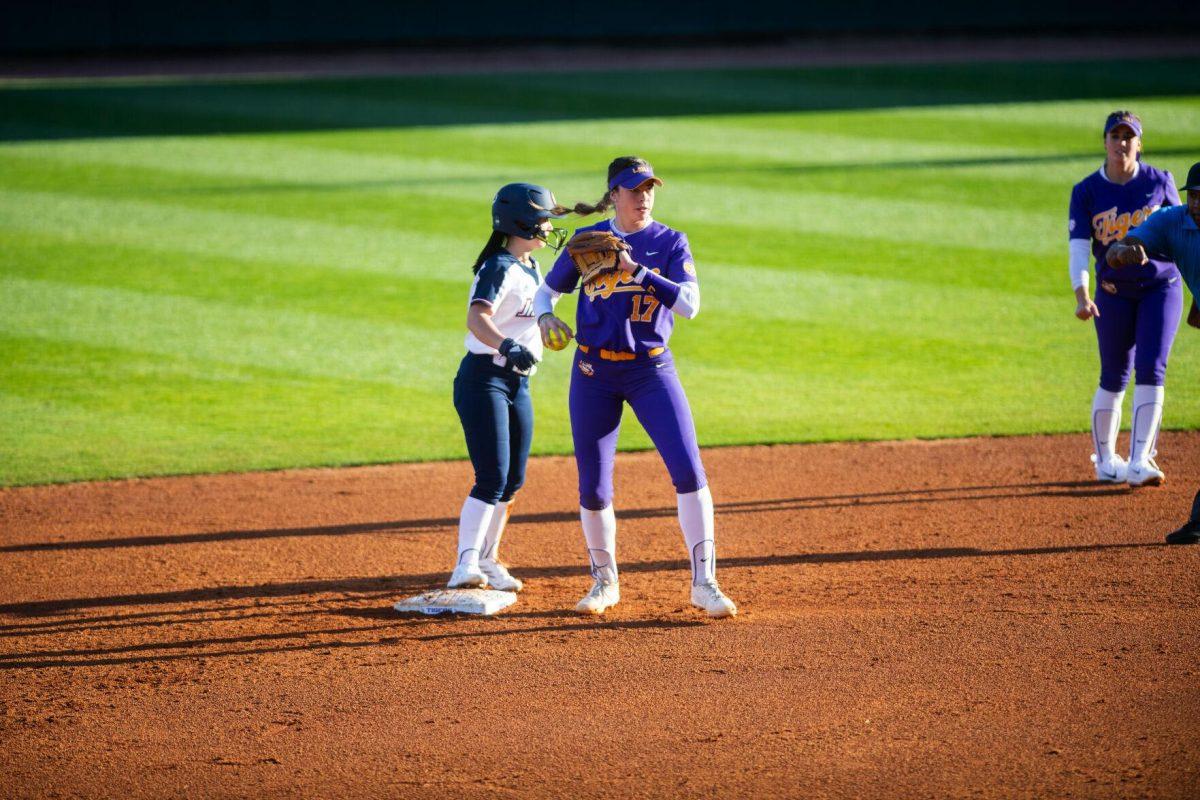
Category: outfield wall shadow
[213,106]
[416,582]
[434,524]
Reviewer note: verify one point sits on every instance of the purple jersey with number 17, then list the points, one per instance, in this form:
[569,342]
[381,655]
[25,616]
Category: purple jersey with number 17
[614,312]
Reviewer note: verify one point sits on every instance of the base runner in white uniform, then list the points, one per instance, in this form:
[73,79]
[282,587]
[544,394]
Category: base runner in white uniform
[491,389]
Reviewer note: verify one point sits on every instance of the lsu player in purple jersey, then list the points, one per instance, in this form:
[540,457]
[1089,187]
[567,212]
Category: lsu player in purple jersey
[623,325]
[491,389]
[1136,310]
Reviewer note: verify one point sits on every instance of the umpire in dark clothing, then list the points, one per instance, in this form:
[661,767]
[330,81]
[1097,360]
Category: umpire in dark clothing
[1174,234]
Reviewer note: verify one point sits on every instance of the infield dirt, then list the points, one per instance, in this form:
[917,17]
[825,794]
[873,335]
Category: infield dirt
[952,618]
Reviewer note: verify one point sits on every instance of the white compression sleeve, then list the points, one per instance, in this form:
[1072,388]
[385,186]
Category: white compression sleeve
[495,529]
[600,532]
[544,301]
[472,526]
[696,520]
[1081,254]
[687,304]
[1147,416]
[1106,421]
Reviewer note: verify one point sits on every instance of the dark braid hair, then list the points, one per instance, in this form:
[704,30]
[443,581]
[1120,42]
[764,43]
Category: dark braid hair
[614,169]
[494,246]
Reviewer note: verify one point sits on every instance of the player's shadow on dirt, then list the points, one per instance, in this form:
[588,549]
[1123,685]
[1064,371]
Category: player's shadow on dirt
[360,588]
[434,524]
[402,627]
[382,618]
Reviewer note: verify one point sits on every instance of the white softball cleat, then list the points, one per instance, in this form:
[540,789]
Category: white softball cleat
[710,598]
[467,576]
[1145,473]
[603,596]
[1114,470]
[498,577]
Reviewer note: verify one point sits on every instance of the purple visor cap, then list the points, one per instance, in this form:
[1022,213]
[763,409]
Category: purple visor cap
[635,176]
[1122,119]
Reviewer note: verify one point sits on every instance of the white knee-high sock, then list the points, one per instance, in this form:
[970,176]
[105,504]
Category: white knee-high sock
[600,532]
[495,529]
[472,525]
[1106,422]
[696,520]
[1147,415]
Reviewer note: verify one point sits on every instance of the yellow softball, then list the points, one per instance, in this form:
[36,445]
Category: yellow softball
[556,339]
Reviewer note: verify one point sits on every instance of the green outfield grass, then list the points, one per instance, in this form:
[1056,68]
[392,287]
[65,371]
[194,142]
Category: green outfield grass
[237,275]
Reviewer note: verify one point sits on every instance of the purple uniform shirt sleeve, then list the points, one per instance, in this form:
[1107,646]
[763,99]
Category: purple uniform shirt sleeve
[563,277]
[1172,193]
[1079,225]
[681,267]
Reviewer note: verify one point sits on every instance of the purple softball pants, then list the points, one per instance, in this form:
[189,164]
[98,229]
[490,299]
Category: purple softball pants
[1135,330]
[599,390]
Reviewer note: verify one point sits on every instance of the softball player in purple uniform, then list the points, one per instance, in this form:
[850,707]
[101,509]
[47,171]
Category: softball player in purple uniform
[624,321]
[491,389]
[1136,310]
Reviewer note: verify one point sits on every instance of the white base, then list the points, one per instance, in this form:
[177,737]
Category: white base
[457,601]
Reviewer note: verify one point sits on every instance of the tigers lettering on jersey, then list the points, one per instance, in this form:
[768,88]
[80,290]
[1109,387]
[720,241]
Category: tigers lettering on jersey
[1109,226]
[611,283]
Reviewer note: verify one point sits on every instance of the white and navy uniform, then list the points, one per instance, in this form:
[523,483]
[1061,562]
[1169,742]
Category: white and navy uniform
[492,400]
[507,287]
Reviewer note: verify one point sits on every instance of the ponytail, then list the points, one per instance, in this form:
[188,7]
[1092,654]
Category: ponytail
[583,209]
[494,246]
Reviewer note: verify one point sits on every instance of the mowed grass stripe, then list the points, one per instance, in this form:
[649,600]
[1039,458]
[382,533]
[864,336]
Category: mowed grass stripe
[56,309]
[301,343]
[248,283]
[120,411]
[183,229]
[319,344]
[416,155]
[277,237]
[274,164]
[427,299]
[73,442]
[371,176]
[267,160]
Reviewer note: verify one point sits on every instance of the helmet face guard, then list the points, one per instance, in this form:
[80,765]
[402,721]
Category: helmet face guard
[555,237]
[559,237]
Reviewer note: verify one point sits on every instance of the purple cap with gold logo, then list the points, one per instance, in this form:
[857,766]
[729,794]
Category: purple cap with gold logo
[1123,118]
[634,176]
